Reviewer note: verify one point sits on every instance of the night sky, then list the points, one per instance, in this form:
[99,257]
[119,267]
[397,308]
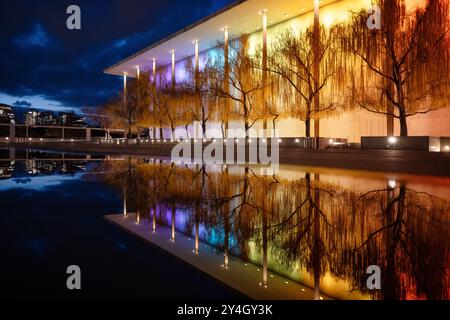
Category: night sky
[45,65]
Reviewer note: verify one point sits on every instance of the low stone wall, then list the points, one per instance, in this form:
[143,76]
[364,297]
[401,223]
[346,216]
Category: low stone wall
[301,142]
[418,143]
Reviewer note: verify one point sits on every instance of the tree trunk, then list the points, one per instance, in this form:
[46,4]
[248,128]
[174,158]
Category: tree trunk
[403,123]
[246,129]
[204,129]
[308,127]
[187,130]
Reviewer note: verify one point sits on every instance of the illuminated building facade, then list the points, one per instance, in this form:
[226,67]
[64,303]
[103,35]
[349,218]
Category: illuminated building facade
[262,21]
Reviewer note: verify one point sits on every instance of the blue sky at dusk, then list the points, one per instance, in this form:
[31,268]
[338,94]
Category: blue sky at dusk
[45,65]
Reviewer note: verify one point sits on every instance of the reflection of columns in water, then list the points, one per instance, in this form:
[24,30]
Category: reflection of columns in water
[390,285]
[124,198]
[316,245]
[154,218]
[12,154]
[226,210]
[226,237]
[173,223]
[196,227]
[264,246]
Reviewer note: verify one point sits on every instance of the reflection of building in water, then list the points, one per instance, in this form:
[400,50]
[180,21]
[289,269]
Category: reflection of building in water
[6,169]
[37,167]
[310,228]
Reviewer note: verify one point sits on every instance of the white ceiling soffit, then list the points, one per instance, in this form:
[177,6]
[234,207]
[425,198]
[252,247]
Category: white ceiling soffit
[240,17]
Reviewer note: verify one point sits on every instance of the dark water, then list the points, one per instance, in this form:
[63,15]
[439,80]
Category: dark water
[319,227]
[52,217]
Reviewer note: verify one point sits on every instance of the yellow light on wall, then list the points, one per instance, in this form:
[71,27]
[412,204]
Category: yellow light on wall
[328,20]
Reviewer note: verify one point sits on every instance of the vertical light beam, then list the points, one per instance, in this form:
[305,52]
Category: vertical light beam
[173,68]
[124,87]
[264,65]
[154,71]
[316,70]
[226,79]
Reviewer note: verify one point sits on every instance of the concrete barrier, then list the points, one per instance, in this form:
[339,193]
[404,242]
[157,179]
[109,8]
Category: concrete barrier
[418,143]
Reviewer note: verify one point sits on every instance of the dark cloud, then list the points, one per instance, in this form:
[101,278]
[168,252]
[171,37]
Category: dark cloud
[36,38]
[43,58]
[22,104]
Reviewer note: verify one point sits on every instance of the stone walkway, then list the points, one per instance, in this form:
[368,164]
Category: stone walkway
[243,277]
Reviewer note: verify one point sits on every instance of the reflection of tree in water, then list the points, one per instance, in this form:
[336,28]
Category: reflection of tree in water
[407,236]
[301,233]
[308,224]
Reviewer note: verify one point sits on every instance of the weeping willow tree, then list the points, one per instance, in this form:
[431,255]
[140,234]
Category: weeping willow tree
[194,94]
[404,65]
[165,104]
[127,108]
[292,60]
[244,82]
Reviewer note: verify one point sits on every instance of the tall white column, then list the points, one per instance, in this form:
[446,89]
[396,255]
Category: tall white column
[226,78]
[197,67]
[196,124]
[124,87]
[173,69]
[153,130]
[154,72]
[316,70]
[264,66]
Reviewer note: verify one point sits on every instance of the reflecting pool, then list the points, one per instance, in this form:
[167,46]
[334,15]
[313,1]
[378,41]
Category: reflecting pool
[317,227]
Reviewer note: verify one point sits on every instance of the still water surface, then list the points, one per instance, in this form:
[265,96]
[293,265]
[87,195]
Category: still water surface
[318,227]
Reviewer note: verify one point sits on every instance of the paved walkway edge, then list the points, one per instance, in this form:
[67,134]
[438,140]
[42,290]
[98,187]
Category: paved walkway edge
[243,277]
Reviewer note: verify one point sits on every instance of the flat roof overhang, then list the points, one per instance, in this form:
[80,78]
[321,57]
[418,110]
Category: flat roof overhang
[240,17]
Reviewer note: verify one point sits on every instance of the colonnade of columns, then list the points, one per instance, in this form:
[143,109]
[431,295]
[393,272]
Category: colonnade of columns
[264,16]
